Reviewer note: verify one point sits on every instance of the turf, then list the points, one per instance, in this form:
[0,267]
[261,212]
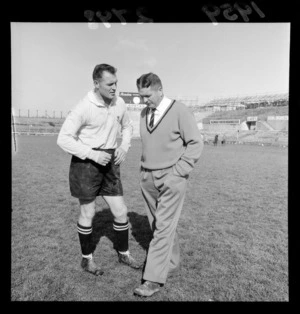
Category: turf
[233,229]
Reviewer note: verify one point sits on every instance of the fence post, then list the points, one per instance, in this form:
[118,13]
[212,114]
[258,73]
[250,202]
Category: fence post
[28,113]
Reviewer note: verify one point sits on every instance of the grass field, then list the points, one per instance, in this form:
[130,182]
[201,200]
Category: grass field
[233,229]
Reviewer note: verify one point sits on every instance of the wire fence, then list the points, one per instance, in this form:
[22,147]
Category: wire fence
[49,114]
[36,122]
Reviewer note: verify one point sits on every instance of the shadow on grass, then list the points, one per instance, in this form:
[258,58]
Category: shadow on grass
[140,229]
[103,226]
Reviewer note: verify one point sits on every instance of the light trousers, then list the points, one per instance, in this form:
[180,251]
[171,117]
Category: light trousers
[163,192]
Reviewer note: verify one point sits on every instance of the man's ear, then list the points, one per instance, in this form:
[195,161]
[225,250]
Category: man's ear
[96,84]
[160,91]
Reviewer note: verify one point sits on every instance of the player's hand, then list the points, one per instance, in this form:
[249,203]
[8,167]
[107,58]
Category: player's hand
[103,158]
[120,155]
[100,157]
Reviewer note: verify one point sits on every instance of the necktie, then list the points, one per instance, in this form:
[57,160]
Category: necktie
[152,118]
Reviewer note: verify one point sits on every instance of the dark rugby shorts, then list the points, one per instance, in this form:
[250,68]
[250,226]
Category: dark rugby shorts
[88,179]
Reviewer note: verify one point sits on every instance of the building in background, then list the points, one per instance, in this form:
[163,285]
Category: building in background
[247,102]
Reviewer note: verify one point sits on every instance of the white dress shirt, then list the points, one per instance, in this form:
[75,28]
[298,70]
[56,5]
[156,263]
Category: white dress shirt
[160,109]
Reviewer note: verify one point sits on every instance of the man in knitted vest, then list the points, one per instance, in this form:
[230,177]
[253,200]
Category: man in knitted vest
[171,145]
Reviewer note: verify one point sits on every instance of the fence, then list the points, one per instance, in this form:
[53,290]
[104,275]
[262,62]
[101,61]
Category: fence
[40,124]
[29,113]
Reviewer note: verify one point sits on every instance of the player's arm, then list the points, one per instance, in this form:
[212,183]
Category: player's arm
[68,140]
[126,131]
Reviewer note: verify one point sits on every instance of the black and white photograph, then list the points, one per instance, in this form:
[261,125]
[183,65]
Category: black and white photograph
[150,159]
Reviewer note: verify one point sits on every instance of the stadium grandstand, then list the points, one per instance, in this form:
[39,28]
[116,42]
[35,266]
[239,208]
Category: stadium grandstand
[247,102]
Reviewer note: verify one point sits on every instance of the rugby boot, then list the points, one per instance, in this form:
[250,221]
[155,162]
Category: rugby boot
[127,259]
[90,266]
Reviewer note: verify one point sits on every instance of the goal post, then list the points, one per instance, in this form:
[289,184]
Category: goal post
[13,130]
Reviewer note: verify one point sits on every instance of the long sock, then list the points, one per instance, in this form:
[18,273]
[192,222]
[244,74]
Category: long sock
[85,235]
[121,231]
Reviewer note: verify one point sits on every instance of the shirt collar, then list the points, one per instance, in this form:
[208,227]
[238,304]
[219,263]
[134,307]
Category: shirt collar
[97,101]
[165,102]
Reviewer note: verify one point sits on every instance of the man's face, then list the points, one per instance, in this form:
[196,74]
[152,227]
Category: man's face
[151,96]
[107,85]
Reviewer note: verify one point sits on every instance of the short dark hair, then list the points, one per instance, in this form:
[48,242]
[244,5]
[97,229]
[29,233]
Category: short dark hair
[149,79]
[100,68]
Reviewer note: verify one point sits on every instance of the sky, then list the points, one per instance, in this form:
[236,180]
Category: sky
[52,63]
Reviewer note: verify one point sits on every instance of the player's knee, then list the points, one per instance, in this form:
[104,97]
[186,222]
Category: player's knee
[121,214]
[87,209]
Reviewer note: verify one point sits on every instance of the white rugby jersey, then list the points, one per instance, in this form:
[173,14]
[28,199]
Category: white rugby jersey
[92,124]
